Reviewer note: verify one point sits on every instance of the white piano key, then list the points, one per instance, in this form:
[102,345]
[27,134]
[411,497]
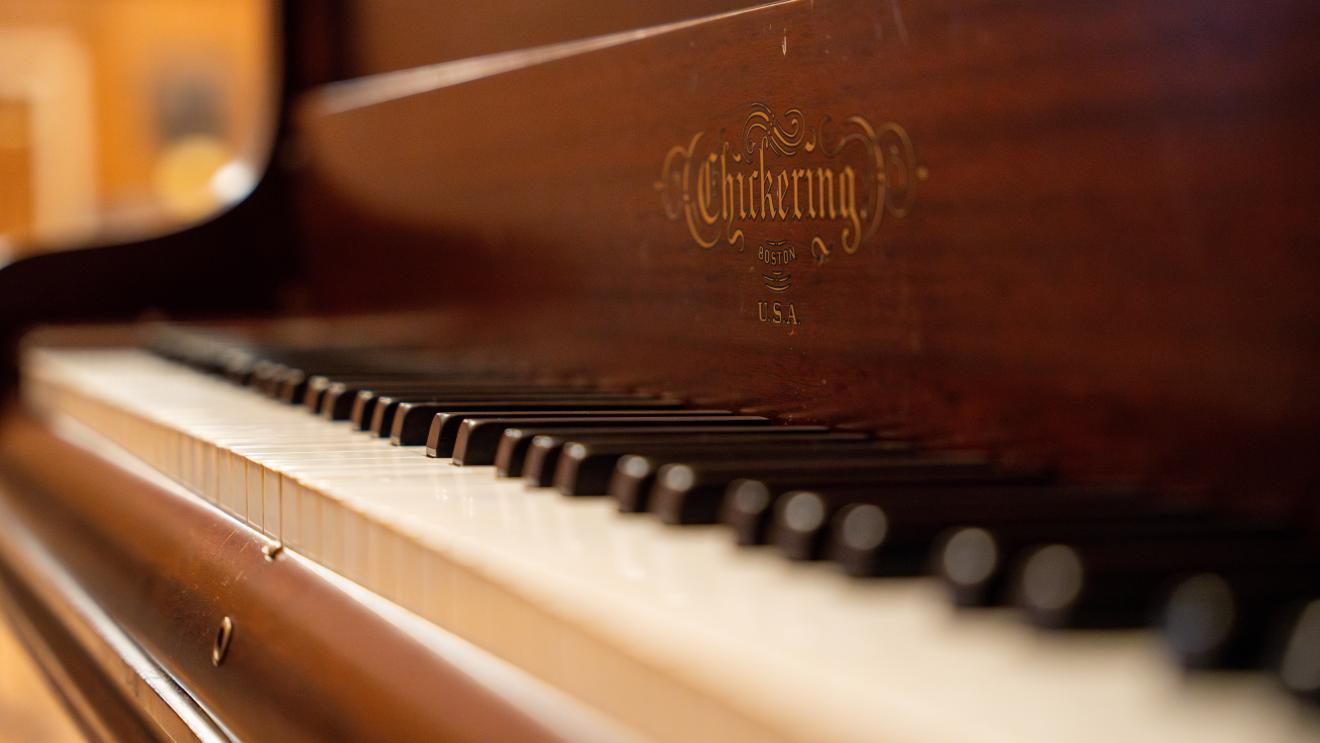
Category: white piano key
[674,631]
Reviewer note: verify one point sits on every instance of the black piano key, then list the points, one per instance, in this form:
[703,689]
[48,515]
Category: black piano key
[262,373]
[199,352]
[290,376]
[633,479]
[363,408]
[444,431]
[794,520]
[974,561]
[295,383]
[284,376]
[324,392]
[331,396]
[1227,618]
[889,529]
[290,382]
[1112,578]
[284,379]
[693,492]
[797,521]
[412,420]
[356,401]
[264,366]
[546,444]
[317,384]
[382,415]
[543,472]
[583,465]
[1299,663]
[586,468]
[337,400]
[382,420]
[478,438]
[268,377]
[366,412]
[875,536]
[238,368]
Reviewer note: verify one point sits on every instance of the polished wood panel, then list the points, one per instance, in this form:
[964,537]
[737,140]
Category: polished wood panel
[1110,263]
[307,661]
[382,35]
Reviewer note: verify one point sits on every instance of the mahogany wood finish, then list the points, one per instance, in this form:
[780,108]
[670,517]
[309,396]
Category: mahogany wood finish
[109,689]
[238,262]
[1111,263]
[168,569]
[382,35]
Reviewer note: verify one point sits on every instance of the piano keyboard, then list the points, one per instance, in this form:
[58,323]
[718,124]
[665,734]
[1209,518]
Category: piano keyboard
[679,633]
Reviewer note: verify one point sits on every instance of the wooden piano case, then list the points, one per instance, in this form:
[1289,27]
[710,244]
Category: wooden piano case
[1078,234]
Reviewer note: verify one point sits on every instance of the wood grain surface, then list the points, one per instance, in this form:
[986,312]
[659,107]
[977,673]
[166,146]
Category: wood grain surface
[1110,263]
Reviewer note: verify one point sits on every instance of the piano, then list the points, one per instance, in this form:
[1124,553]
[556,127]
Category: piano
[820,370]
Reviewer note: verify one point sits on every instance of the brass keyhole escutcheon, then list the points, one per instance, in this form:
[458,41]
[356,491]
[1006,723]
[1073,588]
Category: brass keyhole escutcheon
[223,637]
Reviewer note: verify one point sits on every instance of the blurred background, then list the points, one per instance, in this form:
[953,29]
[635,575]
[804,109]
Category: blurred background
[120,118]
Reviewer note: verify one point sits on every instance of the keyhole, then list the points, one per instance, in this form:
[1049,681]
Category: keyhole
[223,636]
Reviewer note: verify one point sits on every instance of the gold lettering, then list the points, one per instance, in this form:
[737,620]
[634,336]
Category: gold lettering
[852,235]
[726,203]
[704,188]
[811,196]
[781,183]
[797,173]
[772,255]
[767,194]
[823,175]
[840,167]
[776,313]
[751,191]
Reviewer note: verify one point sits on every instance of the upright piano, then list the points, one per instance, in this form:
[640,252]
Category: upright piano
[821,370]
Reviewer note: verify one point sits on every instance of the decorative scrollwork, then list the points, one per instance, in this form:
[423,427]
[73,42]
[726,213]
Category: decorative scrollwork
[763,127]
